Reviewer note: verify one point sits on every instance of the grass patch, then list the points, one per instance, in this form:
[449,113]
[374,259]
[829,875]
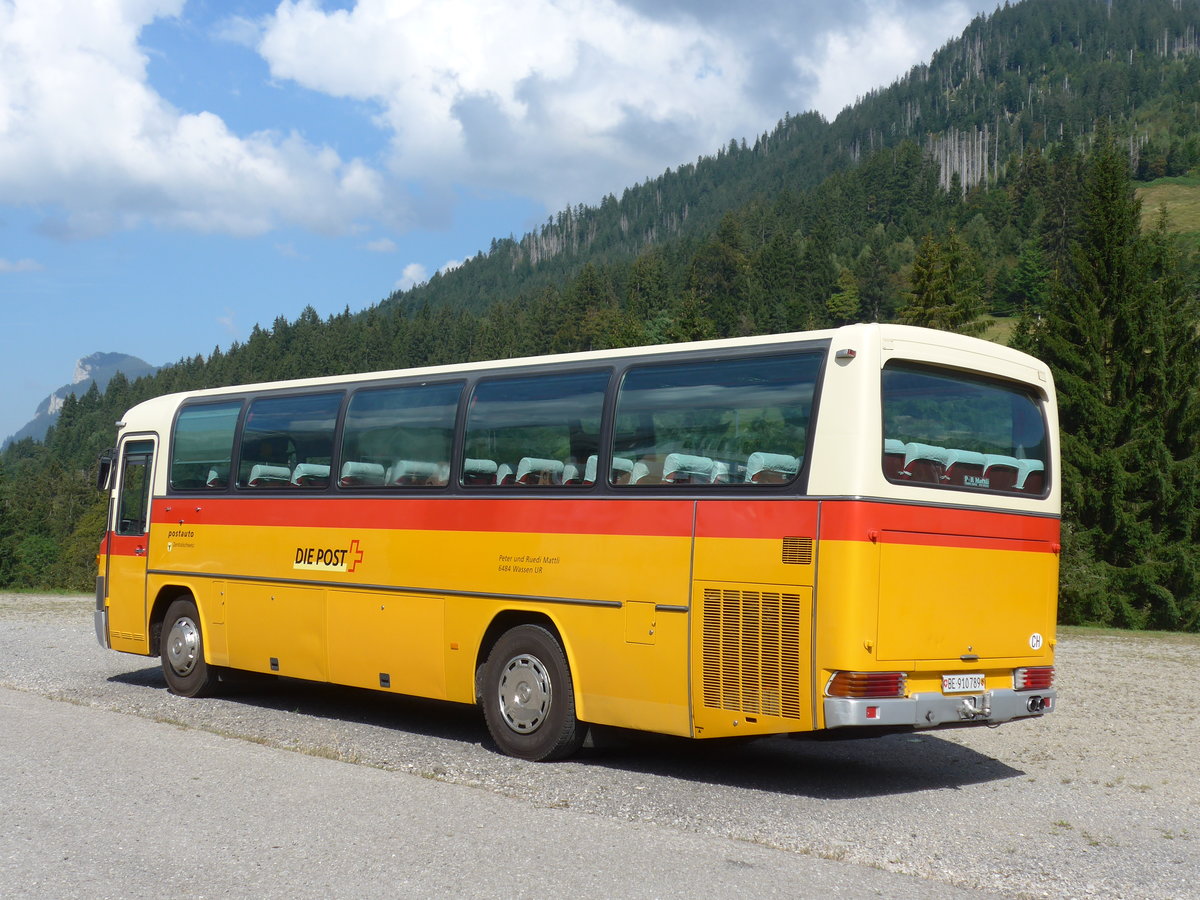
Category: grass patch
[1000,329]
[1168,637]
[59,593]
[1182,198]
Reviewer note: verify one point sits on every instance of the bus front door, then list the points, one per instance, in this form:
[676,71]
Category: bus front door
[128,547]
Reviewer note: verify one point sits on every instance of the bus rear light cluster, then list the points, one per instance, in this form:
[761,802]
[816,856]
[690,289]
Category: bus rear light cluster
[1033,678]
[867,685]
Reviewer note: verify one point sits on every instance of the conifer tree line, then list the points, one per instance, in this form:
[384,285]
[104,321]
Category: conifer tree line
[1053,240]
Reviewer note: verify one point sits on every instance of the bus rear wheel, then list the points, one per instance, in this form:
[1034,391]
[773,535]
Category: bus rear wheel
[528,696]
[181,647]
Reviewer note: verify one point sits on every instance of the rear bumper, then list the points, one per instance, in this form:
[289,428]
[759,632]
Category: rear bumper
[933,709]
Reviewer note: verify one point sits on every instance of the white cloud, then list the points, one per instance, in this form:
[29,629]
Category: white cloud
[82,130]
[19,265]
[228,325]
[559,101]
[450,265]
[565,100]
[556,100]
[866,54]
[288,250]
[239,30]
[414,274]
[382,245]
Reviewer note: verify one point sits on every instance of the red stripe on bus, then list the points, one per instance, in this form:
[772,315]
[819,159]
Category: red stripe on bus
[756,518]
[125,545]
[857,520]
[667,518]
[842,520]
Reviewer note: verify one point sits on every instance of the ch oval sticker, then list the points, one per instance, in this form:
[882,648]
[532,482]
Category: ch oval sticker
[1035,641]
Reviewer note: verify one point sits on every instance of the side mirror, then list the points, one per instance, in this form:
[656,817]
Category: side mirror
[104,472]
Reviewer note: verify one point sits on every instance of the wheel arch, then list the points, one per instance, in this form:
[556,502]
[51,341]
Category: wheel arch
[166,595]
[504,621]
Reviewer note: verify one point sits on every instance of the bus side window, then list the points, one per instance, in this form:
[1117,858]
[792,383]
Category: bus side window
[202,446]
[399,437]
[717,422]
[534,430]
[287,442]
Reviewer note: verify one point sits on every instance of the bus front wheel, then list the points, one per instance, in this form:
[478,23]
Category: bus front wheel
[528,696]
[181,647]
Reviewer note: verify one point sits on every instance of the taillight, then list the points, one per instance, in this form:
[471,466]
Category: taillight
[863,685]
[1034,678]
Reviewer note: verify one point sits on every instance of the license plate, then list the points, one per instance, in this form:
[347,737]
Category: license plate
[961,684]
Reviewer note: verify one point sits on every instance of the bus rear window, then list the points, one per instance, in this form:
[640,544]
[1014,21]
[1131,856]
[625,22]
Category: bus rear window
[943,428]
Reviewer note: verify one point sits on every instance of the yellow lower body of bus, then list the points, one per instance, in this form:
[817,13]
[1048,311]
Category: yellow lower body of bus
[715,637]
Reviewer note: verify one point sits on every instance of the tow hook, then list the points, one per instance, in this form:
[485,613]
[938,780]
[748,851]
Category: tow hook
[976,707]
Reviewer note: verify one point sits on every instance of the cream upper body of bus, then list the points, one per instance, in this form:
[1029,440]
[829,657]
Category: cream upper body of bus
[843,531]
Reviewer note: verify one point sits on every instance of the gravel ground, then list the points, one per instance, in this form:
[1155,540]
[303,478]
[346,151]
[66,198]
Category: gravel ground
[1098,799]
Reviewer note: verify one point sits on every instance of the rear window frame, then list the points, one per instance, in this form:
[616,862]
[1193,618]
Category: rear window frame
[1016,388]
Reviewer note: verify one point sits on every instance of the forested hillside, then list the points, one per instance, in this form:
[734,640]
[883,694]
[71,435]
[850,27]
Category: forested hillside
[1031,74]
[996,181]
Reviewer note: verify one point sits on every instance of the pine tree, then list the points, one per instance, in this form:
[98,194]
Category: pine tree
[929,296]
[817,279]
[646,290]
[945,288]
[719,277]
[875,279]
[776,276]
[1120,335]
[843,305]
[1030,286]
[965,285]
[1061,205]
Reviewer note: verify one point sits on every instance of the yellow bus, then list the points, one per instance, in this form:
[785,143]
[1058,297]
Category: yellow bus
[845,532]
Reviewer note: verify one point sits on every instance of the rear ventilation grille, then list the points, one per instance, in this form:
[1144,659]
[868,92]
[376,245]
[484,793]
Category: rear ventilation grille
[798,551]
[752,652]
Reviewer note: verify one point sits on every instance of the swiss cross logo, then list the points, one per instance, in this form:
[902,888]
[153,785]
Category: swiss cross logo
[356,555]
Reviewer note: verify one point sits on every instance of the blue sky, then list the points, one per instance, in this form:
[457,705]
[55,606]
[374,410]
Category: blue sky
[173,172]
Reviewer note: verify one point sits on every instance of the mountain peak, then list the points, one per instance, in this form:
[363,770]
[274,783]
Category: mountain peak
[101,366]
[98,367]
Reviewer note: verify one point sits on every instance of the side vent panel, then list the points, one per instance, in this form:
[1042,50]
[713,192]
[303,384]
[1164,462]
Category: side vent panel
[754,651]
[798,551]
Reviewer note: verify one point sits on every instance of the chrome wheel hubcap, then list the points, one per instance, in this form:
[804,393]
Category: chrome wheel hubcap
[525,693]
[183,646]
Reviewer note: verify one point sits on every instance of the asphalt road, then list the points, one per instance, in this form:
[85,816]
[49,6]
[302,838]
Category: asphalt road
[113,787]
[100,804]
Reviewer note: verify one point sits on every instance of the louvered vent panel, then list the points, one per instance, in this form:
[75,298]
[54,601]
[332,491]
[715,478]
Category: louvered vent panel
[751,643]
[798,551]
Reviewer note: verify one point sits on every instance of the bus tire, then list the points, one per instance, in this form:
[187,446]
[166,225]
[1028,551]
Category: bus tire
[181,647]
[528,696]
